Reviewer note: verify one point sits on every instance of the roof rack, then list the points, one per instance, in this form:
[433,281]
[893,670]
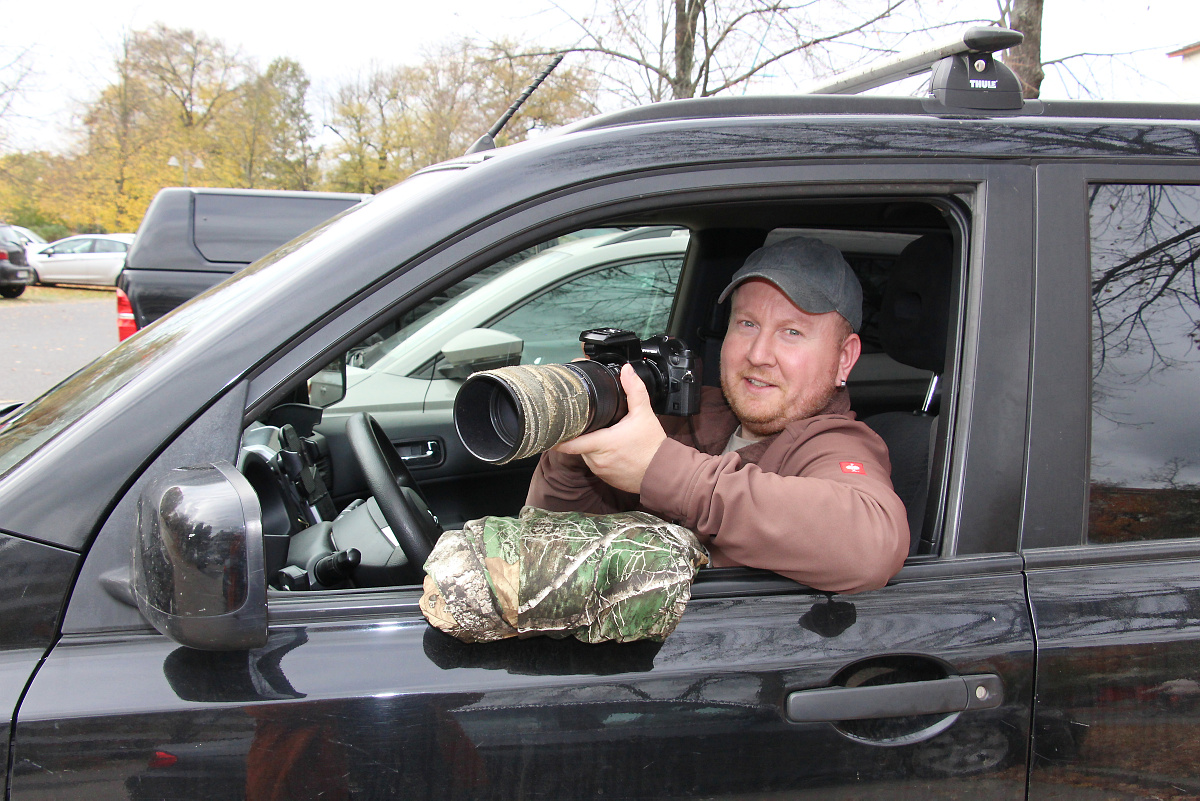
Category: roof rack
[966,73]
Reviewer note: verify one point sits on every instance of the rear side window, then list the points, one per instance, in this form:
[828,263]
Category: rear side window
[110,246]
[244,228]
[1145,459]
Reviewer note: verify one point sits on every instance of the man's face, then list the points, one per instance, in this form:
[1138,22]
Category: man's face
[779,363]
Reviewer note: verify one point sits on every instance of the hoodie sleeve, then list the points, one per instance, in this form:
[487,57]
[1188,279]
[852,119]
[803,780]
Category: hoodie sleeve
[826,517]
[563,483]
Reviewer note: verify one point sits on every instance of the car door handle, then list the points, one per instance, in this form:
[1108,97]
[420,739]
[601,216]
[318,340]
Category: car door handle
[417,450]
[941,696]
[422,453]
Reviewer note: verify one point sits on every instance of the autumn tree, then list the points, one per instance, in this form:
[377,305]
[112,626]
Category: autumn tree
[198,78]
[181,109]
[394,121]
[461,90]
[268,132]
[120,159]
[23,180]
[293,161]
[367,116]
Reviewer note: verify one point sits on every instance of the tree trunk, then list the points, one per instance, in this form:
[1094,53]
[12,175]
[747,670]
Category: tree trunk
[1026,59]
[683,83]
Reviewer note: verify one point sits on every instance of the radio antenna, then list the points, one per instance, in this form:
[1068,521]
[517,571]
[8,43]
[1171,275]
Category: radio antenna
[488,140]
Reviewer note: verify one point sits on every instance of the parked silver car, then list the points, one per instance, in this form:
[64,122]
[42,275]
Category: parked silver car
[85,259]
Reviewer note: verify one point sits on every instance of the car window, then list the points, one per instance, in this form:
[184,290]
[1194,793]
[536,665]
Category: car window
[240,228]
[374,348]
[110,246]
[635,296]
[74,246]
[1145,457]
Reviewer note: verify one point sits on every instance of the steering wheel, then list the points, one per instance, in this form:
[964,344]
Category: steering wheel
[403,505]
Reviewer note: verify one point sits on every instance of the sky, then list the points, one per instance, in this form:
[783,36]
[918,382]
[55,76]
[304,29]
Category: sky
[71,45]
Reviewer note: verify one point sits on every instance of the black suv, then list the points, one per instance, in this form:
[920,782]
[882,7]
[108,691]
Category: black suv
[192,238]
[1032,306]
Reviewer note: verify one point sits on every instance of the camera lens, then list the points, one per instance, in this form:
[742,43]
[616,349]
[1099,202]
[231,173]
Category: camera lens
[506,417]
[513,412]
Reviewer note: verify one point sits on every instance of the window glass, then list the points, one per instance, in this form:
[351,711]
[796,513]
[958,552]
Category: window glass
[1145,459]
[375,347]
[241,228]
[110,246]
[545,296]
[636,296]
[75,246]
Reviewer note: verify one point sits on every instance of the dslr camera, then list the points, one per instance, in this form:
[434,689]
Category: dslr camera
[514,412]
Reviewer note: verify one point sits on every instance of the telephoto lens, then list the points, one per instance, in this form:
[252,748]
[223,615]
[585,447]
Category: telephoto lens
[513,412]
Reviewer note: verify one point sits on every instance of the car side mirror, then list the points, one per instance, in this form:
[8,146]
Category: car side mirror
[198,573]
[479,349]
[328,386]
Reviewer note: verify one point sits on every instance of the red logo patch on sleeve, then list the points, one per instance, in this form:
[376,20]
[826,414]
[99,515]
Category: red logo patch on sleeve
[853,467]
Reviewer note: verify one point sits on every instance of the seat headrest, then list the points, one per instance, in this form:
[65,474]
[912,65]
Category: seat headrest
[915,311]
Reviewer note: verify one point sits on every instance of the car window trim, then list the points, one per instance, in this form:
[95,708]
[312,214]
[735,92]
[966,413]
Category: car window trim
[594,203]
[711,584]
[1059,438]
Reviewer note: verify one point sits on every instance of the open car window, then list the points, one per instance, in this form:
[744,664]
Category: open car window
[324,486]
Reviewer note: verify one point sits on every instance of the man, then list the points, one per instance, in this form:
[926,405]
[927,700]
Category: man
[774,471]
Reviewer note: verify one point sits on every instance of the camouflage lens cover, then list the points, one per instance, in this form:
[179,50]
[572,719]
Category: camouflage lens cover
[621,577]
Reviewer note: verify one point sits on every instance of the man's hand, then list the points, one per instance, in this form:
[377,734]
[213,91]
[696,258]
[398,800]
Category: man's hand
[620,454]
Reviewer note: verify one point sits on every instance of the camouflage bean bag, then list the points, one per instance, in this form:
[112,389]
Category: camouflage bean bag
[620,577]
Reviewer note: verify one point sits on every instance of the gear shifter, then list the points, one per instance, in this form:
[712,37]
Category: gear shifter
[337,568]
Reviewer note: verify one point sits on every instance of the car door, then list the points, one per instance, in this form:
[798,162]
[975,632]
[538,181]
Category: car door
[1113,524]
[108,258]
[766,687]
[65,261]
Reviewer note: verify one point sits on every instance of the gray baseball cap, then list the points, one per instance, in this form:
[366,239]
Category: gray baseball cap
[814,276]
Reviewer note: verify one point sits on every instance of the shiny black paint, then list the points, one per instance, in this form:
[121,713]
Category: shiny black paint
[153,293]
[1119,656]
[1117,626]
[383,705]
[33,583]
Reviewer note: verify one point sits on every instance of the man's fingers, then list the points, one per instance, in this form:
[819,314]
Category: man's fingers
[635,389]
[572,446]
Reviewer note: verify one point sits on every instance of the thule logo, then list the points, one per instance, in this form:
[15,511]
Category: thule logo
[976,84]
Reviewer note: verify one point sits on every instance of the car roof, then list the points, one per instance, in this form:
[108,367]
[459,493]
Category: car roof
[297,193]
[732,107]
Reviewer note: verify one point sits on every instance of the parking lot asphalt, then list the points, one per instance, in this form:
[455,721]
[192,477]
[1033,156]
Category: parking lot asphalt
[50,332]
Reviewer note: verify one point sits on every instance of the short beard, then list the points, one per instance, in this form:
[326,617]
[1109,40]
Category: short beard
[811,405]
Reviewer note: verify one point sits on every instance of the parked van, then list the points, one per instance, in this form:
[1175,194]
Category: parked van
[192,238]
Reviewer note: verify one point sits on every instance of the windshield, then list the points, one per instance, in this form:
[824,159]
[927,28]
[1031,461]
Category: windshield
[35,423]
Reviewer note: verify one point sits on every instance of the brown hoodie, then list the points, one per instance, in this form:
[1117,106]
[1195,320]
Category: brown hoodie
[813,502]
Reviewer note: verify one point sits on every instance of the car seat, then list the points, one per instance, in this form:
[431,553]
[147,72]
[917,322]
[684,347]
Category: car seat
[913,321]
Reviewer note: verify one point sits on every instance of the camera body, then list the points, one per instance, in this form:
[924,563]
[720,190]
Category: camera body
[514,412]
[665,364]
